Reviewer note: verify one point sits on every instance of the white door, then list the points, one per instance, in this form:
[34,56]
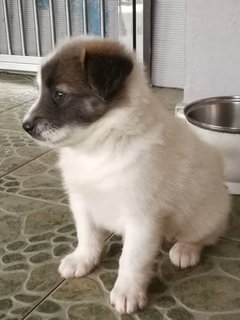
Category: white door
[168,28]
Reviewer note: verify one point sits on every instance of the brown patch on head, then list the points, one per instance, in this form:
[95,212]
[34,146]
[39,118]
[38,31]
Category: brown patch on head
[107,65]
[63,87]
[100,65]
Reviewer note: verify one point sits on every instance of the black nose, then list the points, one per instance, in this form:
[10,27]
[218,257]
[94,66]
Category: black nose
[28,126]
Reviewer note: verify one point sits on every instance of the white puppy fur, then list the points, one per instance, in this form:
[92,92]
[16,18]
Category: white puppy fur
[143,174]
[140,173]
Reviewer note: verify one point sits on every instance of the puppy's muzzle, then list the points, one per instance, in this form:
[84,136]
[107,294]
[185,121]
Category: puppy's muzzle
[29,126]
[34,126]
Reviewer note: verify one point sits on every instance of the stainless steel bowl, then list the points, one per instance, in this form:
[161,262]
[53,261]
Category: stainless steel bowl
[220,114]
[221,117]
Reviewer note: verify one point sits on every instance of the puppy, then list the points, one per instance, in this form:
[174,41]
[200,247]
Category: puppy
[127,165]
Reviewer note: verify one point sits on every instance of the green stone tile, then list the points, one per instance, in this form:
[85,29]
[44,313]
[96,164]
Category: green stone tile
[47,219]
[61,239]
[172,273]
[48,306]
[34,317]
[16,267]
[20,311]
[16,100]
[156,286]
[26,298]
[233,231]
[224,248]
[9,227]
[231,267]
[211,293]
[5,304]
[150,314]
[17,150]
[226,317]
[37,247]
[35,180]
[78,290]
[16,245]
[114,250]
[110,264]
[40,257]
[41,237]
[28,269]
[19,205]
[61,250]
[45,194]
[40,180]
[12,118]
[49,159]
[168,97]
[164,302]
[13,257]
[108,279]
[90,311]
[115,237]
[14,81]
[11,282]
[66,229]
[43,278]
[179,314]
[127,317]
[73,234]
[31,169]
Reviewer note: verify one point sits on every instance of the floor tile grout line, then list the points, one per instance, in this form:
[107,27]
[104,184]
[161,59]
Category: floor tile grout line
[18,105]
[24,164]
[50,202]
[44,298]
[231,240]
[54,288]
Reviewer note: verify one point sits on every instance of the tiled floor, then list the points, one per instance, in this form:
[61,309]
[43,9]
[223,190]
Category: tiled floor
[36,230]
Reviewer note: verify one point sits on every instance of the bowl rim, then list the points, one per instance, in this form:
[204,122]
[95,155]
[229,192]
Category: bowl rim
[195,104]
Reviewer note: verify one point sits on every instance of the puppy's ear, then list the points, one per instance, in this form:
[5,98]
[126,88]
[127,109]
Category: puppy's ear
[106,72]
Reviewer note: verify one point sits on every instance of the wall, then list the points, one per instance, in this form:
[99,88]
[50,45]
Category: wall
[212,48]
[168,23]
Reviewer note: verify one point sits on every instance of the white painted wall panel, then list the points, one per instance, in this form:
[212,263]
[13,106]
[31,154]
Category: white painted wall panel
[168,43]
[212,49]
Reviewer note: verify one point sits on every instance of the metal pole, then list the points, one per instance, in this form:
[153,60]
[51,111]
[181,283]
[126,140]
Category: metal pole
[68,18]
[36,28]
[147,35]
[7,26]
[21,27]
[102,16]
[84,8]
[52,26]
[134,19]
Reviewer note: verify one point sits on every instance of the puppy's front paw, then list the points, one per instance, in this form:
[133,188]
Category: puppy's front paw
[127,298]
[76,265]
[184,255]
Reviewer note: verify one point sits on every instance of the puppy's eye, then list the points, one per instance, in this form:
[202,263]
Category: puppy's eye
[60,96]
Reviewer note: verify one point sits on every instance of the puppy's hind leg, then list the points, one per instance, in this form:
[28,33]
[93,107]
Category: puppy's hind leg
[186,252]
[185,255]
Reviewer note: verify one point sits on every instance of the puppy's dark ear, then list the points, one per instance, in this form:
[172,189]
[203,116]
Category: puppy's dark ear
[106,73]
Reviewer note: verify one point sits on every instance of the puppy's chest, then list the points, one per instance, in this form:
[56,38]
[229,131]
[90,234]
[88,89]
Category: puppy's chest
[102,186]
[90,173]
